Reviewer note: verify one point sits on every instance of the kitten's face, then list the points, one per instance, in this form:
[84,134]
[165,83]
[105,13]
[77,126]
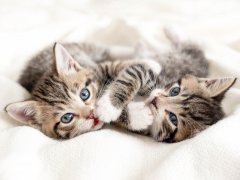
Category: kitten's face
[63,102]
[68,113]
[187,107]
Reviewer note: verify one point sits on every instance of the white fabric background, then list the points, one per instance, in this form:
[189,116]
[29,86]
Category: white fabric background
[27,26]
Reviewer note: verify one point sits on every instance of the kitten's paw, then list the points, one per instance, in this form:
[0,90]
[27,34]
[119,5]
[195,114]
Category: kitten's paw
[155,66]
[105,111]
[140,115]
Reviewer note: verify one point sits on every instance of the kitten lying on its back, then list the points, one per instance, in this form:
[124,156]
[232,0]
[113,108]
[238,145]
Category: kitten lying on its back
[181,105]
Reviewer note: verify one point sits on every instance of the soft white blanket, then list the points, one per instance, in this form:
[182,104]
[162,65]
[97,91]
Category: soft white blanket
[29,25]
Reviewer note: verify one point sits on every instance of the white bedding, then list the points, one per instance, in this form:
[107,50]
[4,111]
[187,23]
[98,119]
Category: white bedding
[27,26]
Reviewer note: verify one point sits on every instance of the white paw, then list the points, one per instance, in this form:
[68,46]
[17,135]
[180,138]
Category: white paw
[155,66]
[105,111]
[140,116]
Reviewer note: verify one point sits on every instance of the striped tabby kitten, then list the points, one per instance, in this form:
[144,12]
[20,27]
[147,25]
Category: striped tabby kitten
[179,105]
[64,92]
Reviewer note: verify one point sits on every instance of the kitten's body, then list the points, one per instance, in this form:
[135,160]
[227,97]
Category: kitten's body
[56,87]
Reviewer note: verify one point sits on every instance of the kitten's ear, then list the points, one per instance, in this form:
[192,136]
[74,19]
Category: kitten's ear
[217,87]
[24,112]
[64,62]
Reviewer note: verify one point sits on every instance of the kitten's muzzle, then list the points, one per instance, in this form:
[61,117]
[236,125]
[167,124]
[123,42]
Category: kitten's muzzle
[155,102]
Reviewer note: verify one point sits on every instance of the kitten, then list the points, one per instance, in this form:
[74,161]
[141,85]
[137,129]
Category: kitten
[63,91]
[179,106]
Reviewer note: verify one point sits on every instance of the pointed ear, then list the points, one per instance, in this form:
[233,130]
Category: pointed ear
[64,62]
[24,112]
[217,87]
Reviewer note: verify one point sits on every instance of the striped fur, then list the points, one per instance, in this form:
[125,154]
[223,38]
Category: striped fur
[55,93]
[197,107]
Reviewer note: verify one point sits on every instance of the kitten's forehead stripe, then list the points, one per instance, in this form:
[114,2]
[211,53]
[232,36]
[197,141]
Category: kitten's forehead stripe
[179,82]
[49,101]
[53,91]
[89,81]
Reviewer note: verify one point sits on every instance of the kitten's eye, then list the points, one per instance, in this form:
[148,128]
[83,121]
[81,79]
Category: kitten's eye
[67,118]
[175,91]
[173,118]
[84,94]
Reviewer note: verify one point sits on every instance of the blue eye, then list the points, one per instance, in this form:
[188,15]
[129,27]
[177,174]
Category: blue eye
[173,118]
[175,91]
[84,94]
[67,118]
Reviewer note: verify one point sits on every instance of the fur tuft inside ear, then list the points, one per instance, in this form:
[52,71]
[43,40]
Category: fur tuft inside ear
[217,87]
[24,112]
[64,62]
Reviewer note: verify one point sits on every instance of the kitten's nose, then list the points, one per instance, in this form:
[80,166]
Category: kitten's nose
[91,114]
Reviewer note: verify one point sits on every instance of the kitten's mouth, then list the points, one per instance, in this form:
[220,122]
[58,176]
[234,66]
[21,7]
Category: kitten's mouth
[154,103]
[96,121]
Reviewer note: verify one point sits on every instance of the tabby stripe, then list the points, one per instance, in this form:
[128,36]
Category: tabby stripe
[151,74]
[65,88]
[124,117]
[142,68]
[66,93]
[139,74]
[88,82]
[54,78]
[107,72]
[121,97]
[131,74]
[49,101]
[124,82]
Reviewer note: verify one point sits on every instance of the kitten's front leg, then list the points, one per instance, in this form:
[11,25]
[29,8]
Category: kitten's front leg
[124,88]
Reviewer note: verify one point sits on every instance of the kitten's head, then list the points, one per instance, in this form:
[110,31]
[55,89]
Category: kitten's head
[185,108]
[63,101]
